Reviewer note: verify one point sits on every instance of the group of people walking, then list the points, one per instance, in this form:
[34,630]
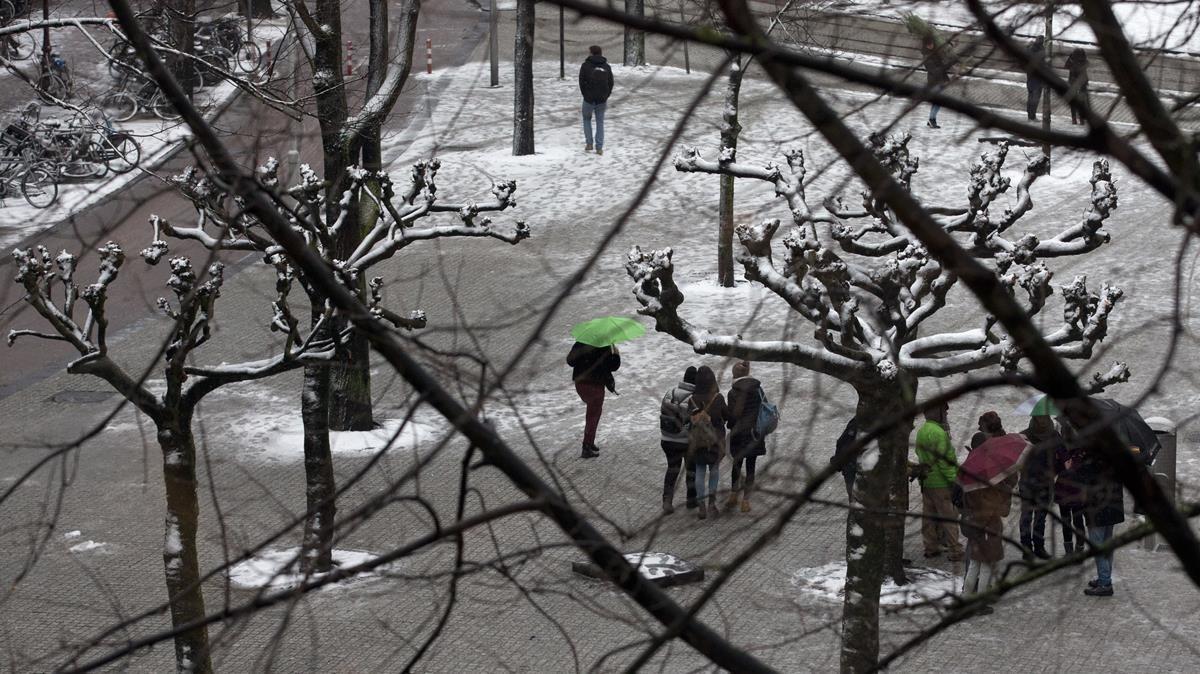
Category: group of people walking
[1054,466]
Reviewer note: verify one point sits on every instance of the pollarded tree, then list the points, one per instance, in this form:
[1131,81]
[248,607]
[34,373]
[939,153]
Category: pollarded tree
[868,286]
[223,224]
[185,385]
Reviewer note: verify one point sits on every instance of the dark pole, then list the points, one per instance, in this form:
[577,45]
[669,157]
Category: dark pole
[46,35]
[562,45]
[1049,51]
[493,44]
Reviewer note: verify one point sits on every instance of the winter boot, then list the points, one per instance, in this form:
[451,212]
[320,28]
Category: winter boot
[587,148]
[1099,591]
[701,511]
[712,506]
[732,501]
[589,451]
[599,150]
[668,507]
[1039,551]
[746,505]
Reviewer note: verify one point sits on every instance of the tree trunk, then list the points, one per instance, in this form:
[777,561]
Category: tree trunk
[180,558]
[730,129]
[635,40]
[180,16]
[871,525]
[320,485]
[261,9]
[523,80]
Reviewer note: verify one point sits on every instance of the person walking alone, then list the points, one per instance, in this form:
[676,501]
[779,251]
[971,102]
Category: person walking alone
[1077,85]
[935,456]
[672,423]
[596,85]
[937,74]
[592,370]
[706,438]
[745,395]
[1033,83]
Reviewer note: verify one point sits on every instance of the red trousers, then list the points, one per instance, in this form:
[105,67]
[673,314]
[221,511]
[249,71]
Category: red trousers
[592,395]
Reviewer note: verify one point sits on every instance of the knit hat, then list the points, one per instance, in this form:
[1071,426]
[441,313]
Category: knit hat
[741,369]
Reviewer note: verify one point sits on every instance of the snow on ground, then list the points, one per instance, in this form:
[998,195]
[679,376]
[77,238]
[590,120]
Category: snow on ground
[278,569]
[828,582]
[1163,25]
[283,438]
[87,546]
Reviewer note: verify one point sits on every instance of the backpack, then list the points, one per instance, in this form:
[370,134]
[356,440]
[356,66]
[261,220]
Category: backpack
[597,84]
[672,416]
[701,433]
[768,416]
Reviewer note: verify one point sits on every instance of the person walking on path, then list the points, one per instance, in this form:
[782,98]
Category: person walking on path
[706,438]
[1037,485]
[592,370]
[1033,83]
[596,85]
[1069,492]
[984,510]
[850,468]
[936,460]
[937,74]
[1104,510]
[1077,85]
[672,422]
[745,395]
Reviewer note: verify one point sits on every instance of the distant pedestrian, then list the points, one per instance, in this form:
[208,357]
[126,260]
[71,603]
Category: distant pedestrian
[1033,83]
[1105,509]
[596,85]
[592,370]
[672,422]
[985,507]
[937,73]
[841,451]
[939,465]
[745,395]
[1077,85]
[1037,485]
[1069,491]
[706,438]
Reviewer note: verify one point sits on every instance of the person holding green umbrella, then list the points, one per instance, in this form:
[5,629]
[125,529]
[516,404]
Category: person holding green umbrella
[593,359]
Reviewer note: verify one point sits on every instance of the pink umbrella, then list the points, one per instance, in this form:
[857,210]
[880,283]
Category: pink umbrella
[993,462]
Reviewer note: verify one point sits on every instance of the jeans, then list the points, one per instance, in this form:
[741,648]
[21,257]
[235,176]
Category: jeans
[933,111]
[714,474]
[1100,536]
[1033,525]
[675,452]
[592,395]
[588,109]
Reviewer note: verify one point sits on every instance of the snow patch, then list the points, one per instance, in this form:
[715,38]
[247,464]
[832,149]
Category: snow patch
[286,441]
[829,582]
[87,546]
[72,534]
[279,569]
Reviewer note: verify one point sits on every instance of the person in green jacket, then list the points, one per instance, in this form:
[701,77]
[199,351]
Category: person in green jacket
[938,467]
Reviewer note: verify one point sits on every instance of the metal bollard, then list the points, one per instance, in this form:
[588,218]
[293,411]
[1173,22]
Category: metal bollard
[429,56]
[1163,469]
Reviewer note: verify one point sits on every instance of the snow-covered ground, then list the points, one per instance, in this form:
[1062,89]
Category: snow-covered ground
[279,570]
[926,585]
[1162,25]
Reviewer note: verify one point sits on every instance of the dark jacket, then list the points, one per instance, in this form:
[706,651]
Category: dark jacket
[1037,475]
[1105,500]
[594,364]
[1068,483]
[1077,74]
[1037,54]
[937,71]
[596,87]
[745,394]
[844,442]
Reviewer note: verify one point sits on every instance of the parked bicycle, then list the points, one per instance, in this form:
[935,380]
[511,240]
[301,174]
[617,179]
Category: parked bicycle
[228,31]
[137,94]
[55,82]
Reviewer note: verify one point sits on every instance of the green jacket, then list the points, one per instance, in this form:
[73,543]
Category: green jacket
[934,450]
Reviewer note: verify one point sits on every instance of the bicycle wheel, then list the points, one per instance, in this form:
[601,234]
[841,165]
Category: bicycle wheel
[120,106]
[249,57]
[39,187]
[162,107]
[18,46]
[121,152]
[51,88]
[7,12]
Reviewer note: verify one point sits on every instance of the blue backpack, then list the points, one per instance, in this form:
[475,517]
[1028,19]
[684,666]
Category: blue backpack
[768,416]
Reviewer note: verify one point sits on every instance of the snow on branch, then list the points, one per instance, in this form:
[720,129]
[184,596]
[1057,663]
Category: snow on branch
[655,289]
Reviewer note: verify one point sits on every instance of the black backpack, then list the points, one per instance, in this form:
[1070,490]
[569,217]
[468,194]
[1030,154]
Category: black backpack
[596,82]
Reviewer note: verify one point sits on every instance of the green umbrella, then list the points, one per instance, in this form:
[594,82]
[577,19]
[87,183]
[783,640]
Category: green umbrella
[607,331]
[1038,406]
